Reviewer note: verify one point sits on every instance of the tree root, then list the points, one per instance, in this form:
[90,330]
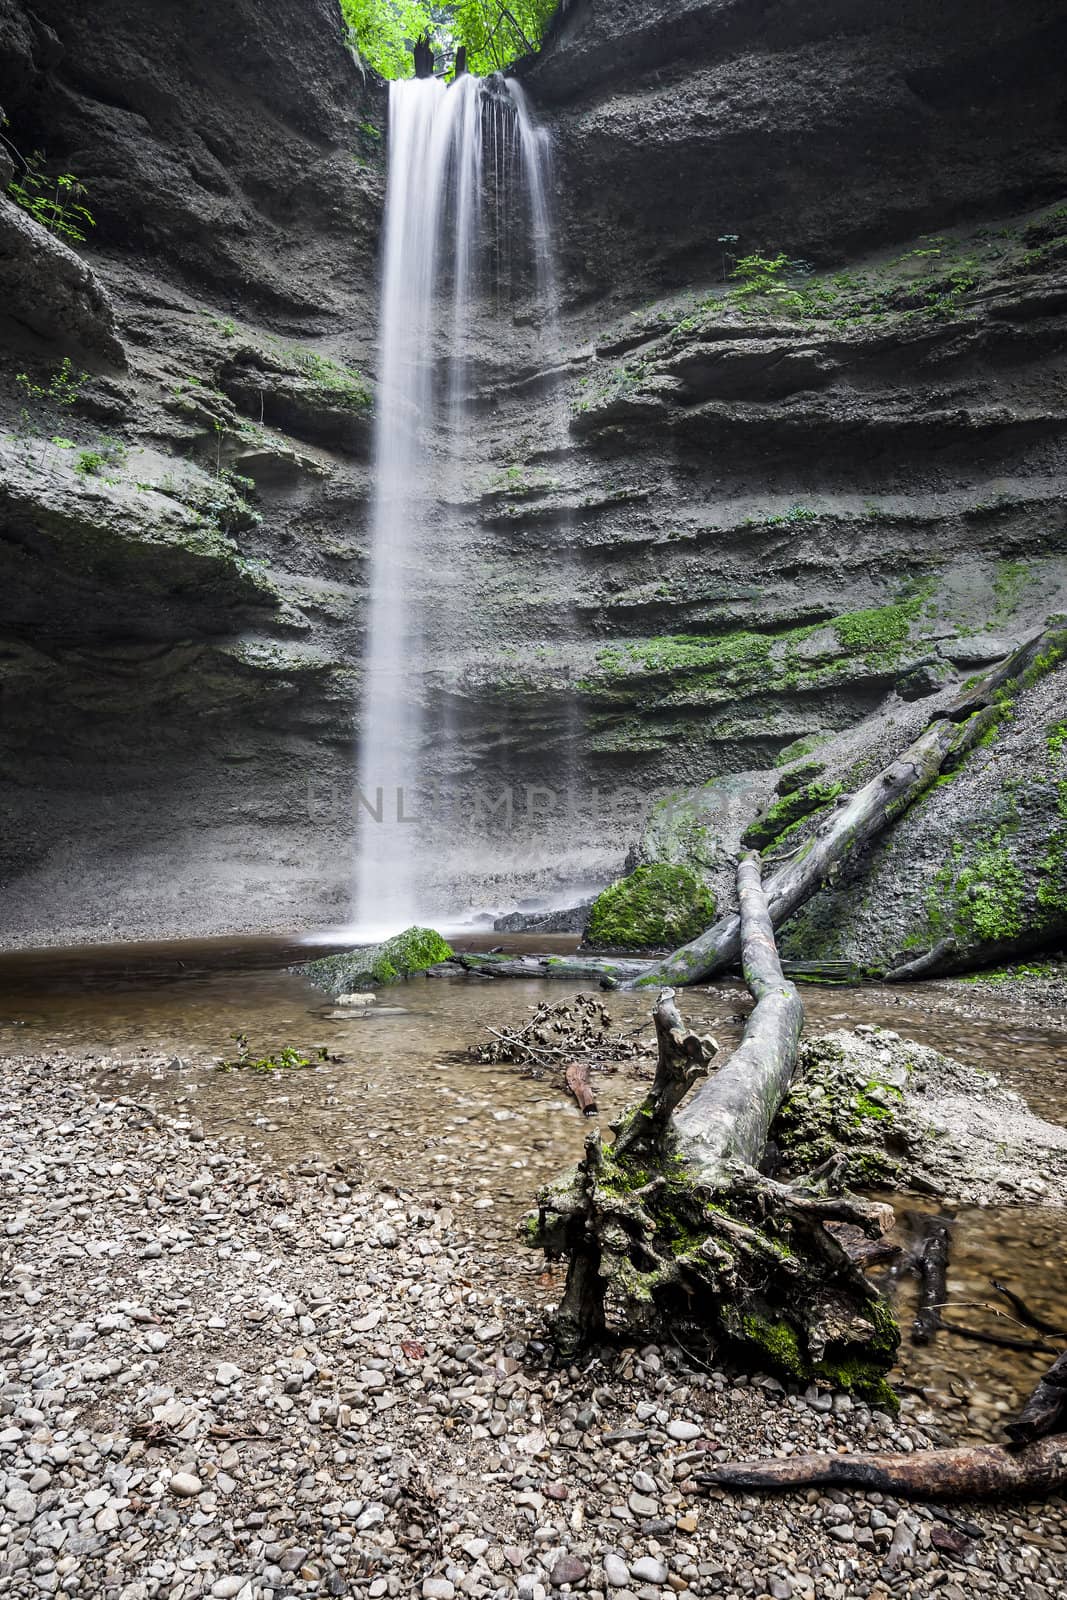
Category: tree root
[966,1473]
[674,1231]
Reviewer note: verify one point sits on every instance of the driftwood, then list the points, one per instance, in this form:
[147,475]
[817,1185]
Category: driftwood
[1046,1410]
[967,1473]
[674,1227]
[683,1058]
[1026,1314]
[576,1077]
[1034,1463]
[935,959]
[836,844]
[930,1261]
[607,972]
[580,1025]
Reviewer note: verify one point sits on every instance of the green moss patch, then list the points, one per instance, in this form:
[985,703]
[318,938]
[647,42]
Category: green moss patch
[787,811]
[834,1110]
[656,905]
[402,956]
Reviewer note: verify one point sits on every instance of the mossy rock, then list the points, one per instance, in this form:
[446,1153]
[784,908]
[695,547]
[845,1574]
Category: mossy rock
[840,1107]
[377,965]
[794,778]
[787,812]
[655,906]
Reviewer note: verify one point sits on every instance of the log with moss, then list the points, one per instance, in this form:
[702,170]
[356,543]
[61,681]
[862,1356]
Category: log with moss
[860,817]
[673,1227]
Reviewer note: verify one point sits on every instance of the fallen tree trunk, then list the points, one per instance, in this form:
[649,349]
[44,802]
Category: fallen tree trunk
[966,1473]
[846,833]
[607,971]
[674,1227]
[576,1077]
[838,842]
[1036,1465]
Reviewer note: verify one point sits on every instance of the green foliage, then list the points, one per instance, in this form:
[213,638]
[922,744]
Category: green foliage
[63,388]
[287,1059]
[656,905]
[794,514]
[53,201]
[494,33]
[759,274]
[226,325]
[112,453]
[383,31]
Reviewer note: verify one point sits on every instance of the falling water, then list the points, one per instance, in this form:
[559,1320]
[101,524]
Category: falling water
[436,195]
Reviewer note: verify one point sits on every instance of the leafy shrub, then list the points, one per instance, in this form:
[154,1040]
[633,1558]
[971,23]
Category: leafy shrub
[54,202]
[63,388]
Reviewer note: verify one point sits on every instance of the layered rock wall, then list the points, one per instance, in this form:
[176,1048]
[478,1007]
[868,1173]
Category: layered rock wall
[716,522]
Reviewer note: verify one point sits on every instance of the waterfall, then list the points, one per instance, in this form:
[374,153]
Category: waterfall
[437,195]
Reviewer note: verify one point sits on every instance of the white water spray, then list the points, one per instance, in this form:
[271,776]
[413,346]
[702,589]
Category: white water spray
[435,199]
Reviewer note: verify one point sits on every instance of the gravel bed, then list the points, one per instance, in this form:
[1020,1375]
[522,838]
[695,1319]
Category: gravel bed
[1032,997]
[220,1378]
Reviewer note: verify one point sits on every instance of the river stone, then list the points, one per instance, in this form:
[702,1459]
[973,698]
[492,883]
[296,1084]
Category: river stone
[568,1569]
[616,1572]
[648,1570]
[185,1485]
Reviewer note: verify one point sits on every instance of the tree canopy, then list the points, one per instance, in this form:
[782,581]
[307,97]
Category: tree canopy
[493,32]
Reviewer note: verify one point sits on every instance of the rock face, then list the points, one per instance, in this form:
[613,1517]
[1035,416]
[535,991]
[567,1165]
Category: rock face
[182,488]
[820,129]
[718,523]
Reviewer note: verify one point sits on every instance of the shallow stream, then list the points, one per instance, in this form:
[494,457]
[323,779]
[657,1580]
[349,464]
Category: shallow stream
[405,1104]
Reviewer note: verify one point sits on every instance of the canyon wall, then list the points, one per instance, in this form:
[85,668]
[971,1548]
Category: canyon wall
[727,523]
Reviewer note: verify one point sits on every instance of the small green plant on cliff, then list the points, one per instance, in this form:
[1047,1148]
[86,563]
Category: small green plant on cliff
[53,200]
[758,274]
[90,463]
[797,513]
[63,388]
[656,905]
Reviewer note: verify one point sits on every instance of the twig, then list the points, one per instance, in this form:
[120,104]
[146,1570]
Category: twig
[1029,1317]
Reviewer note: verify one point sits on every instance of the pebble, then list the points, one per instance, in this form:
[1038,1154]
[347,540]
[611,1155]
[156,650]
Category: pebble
[340,1418]
[616,1571]
[568,1569]
[646,1569]
[185,1485]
